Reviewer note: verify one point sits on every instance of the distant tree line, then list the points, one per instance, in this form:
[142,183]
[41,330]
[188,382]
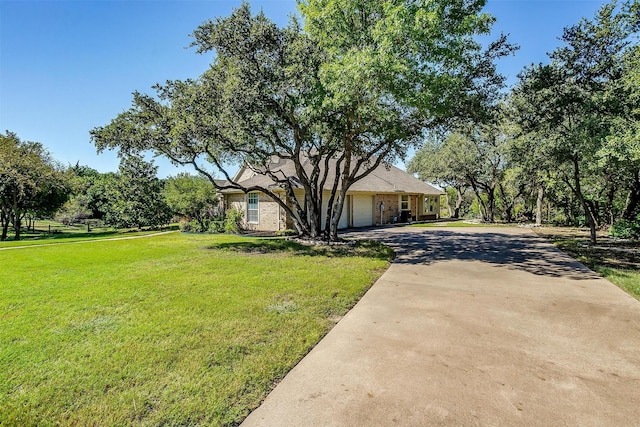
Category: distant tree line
[34,186]
[563,145]
[32,183]
[362,83]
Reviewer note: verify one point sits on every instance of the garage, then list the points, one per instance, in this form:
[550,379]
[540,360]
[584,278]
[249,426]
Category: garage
[362,210]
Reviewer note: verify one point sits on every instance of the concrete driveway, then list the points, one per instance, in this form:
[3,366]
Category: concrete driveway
[471,326]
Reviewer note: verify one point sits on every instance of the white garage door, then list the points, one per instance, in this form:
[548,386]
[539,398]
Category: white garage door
[362,211]
[344,216]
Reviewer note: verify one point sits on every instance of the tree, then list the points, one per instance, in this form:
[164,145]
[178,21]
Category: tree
[30,182]
[137,196]
[623,142]
[439,163]
[73,211]
[359,85]
[192,196]
[473,156]
[81,204]
[571,104]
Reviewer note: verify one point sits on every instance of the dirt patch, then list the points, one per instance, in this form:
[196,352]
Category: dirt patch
[608,252]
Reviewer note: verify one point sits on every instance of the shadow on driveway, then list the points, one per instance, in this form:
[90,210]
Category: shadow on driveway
[518,250]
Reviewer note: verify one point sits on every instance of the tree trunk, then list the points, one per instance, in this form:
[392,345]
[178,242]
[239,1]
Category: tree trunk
[610,198]
[588,206]
[590,213]
[459,200]
[335,218]
[449,208]
[4,222]
[491,203]
[481,203]
[509,205]
[633,198]
[539,205]
[17,225]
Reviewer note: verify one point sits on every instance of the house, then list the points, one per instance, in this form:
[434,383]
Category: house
[384,196]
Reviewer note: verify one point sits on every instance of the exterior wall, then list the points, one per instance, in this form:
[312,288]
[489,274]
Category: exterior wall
[360,210]
[391,208]
[236,201]
[270,215]
[392,211]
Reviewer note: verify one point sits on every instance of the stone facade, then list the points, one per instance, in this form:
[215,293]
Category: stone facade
[271,216]
[391,212]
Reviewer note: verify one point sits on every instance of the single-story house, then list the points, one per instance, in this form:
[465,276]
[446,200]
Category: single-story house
[384,196]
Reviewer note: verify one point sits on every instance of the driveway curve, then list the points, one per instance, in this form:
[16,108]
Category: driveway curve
[471,326]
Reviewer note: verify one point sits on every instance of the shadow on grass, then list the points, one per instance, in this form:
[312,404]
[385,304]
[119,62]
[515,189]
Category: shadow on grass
[603,255]
[362,248]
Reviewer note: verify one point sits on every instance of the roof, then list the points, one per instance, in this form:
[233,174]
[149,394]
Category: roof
[380,180]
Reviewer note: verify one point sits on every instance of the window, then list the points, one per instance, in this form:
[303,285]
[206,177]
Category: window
[404,203]
[430,204]
[252,208]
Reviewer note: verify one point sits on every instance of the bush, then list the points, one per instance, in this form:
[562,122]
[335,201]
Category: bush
[625,229]
[185,226]
[216,226]
[233,221]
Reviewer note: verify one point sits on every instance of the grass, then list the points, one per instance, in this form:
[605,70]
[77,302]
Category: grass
[70,234]
[167,330]
[615,259]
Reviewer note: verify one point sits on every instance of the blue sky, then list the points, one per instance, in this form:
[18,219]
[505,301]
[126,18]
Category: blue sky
[68,66]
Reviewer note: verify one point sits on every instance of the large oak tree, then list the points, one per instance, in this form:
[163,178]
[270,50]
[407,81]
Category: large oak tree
[358,83]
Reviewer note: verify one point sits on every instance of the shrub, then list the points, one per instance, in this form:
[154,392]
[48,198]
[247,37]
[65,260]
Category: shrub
[626,229]
[216,226]
[184,226]
[233,221]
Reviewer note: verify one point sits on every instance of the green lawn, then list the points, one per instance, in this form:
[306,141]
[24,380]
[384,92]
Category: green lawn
[174,329]
[616,260]
[73,237]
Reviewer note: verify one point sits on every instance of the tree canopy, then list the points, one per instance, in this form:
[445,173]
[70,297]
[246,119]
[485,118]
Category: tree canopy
[574,107]
[192,196]
[568,129]
[358,82]
[31,182]
[136,196]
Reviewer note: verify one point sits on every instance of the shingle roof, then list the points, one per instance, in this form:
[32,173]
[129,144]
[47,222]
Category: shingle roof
[380,180]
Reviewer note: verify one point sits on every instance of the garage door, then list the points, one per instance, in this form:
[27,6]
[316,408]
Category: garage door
[362,211]
[344,217]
